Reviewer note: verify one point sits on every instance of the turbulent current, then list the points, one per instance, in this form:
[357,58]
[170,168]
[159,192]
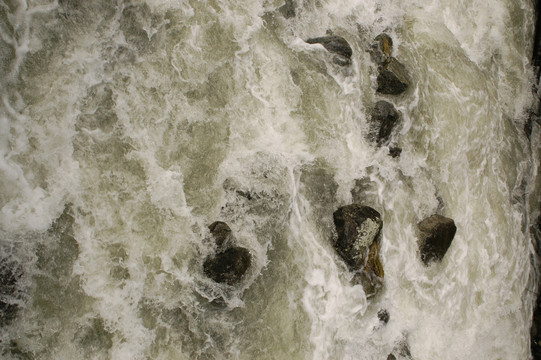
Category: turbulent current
[128,127]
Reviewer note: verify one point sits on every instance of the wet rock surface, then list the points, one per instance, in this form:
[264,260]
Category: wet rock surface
[393,78]
[381,49]
[337,45]
[436,233]
[384,119]
[229,266]
[357,227]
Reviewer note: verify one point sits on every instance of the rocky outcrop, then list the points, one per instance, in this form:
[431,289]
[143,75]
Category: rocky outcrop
[230,263]
[337,45]
[358,228]
[435,236]
[381,49]
[229,266]
[382,122]
[393,78]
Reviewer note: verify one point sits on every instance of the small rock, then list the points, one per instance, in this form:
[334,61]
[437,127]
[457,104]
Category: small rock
[383,121]
[383,316]
[358,227]
[337,45]
[288,9]
[395,151]
[435,236]
[381,49]
[392,78]
[228,266]
[221,233]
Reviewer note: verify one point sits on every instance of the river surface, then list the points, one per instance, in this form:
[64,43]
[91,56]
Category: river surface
[127,127]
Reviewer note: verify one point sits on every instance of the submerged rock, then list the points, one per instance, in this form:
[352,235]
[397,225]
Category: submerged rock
[392,78]
[221,233]
[383,120]
[337,45]
[381,49]
[288,9]
[228,266]
[10,273]
[435,236]
[400,351]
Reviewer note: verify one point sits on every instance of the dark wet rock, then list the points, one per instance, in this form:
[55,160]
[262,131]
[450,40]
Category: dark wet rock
[381,49]
[382,122]
[358,227]
[392,78]
[221,232]
[288,9]
[337,45]
[228,266]
[383,316]
[435,236]
[10,273]
[395,151]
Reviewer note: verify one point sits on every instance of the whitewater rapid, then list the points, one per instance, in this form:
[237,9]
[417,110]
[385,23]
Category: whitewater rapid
[128,127]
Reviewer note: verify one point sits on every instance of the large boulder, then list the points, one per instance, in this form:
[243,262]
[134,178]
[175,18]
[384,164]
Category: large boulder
[381,49]
[436,233]
[382,122]
[228,266]
[393,78]
[337,45]
[358,227]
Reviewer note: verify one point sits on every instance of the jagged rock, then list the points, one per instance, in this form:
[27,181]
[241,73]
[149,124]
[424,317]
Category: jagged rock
[221,233]
[383,120]
[383,316]
[228,266]
[392,78]
[337,45]
[358,227]
[288,9]
[435,236]
[381,49]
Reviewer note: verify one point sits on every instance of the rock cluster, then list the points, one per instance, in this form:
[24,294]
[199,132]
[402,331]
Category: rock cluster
[230,263]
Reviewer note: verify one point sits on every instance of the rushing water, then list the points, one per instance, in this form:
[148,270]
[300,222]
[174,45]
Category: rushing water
[128,127]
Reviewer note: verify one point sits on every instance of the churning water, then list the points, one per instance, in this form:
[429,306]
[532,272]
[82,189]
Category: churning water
[127,127]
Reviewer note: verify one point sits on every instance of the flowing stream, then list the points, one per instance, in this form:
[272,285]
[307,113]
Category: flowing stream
[127,127]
